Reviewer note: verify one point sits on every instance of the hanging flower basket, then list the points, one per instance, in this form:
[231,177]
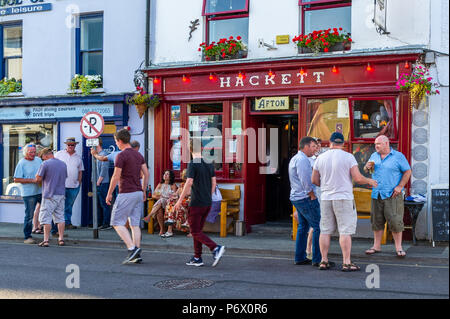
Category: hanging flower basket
[142,101]
[419,85]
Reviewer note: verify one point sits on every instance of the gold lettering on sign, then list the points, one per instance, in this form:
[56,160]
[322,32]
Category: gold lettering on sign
[272,103]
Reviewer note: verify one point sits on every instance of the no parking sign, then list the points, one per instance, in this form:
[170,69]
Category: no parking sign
[92,125]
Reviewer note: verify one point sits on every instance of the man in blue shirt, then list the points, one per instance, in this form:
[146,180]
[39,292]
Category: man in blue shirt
[305,202]
[392,171]
[25,174]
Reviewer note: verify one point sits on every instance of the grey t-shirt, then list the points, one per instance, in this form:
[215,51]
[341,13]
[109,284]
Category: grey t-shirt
[54,174]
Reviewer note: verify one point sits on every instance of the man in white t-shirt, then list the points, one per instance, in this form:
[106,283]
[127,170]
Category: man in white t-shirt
[75,170]
[333,172]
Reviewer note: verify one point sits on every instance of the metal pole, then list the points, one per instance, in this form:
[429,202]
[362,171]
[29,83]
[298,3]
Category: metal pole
[94,197]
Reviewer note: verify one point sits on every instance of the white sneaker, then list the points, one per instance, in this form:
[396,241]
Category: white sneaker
[217,254]
[167,235]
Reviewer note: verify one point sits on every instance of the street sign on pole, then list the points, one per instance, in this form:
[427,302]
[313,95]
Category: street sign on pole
[91,126]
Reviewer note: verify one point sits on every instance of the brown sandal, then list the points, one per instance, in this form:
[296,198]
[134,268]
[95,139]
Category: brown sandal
[43,244]
[350,267]
[61,243]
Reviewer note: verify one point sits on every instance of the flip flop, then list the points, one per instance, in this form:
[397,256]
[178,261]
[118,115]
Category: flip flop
[401,253]
[61,243]
[372,251]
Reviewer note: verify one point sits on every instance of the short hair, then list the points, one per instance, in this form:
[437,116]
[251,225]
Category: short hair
[135,144]
[123,135]
[306,141]
[45,151]
[26,147]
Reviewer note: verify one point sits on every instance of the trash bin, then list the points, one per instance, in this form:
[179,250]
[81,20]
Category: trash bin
[240,228]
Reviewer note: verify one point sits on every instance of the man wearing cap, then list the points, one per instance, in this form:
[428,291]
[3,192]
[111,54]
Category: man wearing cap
[25,174]
[392,171]
[52,174]
[333,172]
[75,170]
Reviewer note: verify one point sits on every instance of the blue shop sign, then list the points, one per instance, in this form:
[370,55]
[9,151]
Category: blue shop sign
[11,7]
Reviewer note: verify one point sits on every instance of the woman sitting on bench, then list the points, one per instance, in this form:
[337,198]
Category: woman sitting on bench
[162,194]
[178,218]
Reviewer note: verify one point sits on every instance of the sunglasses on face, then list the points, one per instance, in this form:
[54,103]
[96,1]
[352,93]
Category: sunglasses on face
[70,144]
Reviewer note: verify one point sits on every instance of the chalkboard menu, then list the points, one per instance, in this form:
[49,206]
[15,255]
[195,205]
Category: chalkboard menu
[439,210]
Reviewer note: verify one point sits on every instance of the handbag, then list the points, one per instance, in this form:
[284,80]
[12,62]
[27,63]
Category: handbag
[216,199]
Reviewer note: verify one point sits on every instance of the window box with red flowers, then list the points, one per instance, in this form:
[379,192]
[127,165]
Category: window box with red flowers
[225,49]
[323,41]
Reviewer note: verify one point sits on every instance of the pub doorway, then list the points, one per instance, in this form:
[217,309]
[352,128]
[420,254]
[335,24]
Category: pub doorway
[277,188]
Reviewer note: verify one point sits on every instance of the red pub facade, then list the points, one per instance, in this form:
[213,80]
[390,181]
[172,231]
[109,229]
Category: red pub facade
[273,103]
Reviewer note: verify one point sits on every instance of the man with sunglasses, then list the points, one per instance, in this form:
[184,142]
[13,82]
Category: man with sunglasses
[75,170]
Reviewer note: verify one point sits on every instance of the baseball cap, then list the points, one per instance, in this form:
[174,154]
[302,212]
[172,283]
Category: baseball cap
[337,138]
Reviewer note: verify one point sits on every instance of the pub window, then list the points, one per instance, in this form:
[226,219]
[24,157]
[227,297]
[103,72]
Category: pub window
[235,167]
[226,18]
[90,45]
[11,51]
[205,123]
[324,14]
[325,116]
[374,117]
[15,137]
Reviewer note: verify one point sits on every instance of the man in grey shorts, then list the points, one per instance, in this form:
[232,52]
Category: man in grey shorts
[333,172]
[52,174]
[129,203]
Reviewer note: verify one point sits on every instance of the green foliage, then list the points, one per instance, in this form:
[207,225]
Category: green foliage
[85,83]
[10,86]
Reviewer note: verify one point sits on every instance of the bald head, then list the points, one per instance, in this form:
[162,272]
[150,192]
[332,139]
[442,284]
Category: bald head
[382,145]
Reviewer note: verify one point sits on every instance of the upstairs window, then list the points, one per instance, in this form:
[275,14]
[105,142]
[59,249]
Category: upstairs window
[11,51]
[226,18]
[325,14]
[90,45]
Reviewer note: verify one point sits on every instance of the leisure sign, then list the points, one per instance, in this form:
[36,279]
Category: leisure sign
[11,7]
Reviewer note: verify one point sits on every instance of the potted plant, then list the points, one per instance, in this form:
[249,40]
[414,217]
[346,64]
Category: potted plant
[8,86]
[85,83]
[142,100]
[418,83]
[324,40]
[224,49]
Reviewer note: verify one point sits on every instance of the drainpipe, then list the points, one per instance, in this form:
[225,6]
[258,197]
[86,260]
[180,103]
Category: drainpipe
[147,63]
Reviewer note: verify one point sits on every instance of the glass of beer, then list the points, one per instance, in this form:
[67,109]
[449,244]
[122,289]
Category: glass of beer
[372,166]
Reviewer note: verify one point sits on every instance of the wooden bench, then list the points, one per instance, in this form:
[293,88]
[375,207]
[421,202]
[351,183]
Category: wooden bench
[230,206]
[362,200]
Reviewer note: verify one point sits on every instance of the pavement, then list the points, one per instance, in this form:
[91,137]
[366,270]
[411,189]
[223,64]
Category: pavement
[264,240]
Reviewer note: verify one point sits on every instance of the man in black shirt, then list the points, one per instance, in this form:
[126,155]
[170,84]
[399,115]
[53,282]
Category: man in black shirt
[202,179]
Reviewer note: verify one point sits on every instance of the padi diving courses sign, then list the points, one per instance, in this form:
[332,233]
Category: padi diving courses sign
[11,7]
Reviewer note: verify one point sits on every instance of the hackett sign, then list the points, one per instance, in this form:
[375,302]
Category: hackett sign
[11,7]
[306,78]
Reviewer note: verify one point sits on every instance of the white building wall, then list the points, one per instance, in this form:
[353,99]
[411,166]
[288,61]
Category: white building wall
[49,62]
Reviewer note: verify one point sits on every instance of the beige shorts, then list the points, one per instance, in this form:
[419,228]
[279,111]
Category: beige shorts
[338,213]
[52,208]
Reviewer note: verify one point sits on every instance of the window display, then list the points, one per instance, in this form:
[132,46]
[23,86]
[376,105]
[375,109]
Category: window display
[325,116]
[15,137]
[372,118]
